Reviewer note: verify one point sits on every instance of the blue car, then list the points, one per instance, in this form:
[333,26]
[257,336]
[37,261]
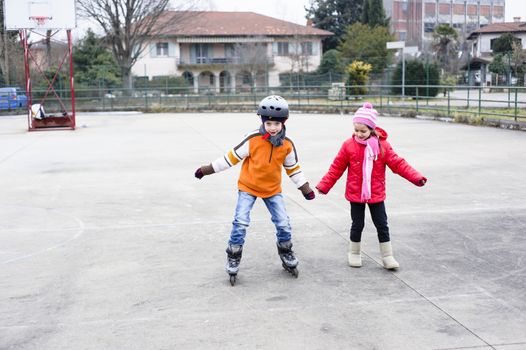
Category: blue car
[12,98]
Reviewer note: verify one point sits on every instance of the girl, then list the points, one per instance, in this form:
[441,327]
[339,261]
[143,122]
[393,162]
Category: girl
[365,156]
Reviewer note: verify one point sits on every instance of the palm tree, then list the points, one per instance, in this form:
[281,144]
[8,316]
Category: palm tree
[445,44]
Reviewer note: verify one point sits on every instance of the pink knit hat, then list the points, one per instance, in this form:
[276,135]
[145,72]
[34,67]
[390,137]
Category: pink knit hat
[366,115]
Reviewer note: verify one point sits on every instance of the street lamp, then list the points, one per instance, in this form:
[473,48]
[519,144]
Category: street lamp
[404,49]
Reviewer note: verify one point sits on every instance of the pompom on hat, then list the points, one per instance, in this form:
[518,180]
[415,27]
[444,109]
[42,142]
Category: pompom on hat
[366,115]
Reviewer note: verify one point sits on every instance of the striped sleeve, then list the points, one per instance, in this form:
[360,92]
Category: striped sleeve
[293,168]
[234,156]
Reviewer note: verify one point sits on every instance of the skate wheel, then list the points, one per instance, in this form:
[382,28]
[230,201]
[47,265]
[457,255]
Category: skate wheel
[295,272]
[292,270]
[233,280]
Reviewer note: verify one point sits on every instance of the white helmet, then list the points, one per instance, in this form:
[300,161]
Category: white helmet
[273,107]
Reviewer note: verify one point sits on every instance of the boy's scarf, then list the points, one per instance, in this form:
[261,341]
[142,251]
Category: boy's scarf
[276,140]
[370,154]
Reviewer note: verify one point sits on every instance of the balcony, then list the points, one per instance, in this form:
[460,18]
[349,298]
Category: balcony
[200,62]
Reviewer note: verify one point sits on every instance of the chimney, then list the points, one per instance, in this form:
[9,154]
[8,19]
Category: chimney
[516,19]
[309,22]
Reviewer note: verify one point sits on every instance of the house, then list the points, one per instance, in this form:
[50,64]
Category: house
[229,51]
[481,48]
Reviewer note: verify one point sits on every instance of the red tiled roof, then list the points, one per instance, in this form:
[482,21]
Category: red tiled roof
[507,27]
[214,23]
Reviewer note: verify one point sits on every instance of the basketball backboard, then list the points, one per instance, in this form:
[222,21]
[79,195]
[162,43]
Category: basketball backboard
[39,14]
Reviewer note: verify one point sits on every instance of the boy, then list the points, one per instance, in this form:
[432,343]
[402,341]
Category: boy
[263,152]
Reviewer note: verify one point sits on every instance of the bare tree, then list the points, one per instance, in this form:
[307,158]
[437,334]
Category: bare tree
[517,59]
[300,55]
[128,25]
[252,57]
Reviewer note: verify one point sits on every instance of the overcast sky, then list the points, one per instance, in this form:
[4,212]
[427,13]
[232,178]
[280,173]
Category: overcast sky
[293,10]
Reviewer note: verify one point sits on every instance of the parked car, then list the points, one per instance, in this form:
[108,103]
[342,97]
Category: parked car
[12,98]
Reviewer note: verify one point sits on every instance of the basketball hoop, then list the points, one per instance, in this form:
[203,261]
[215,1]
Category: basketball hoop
[40,20]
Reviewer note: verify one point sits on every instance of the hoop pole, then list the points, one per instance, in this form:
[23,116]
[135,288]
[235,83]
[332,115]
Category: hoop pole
[27,74]
[50,82]
[71,79]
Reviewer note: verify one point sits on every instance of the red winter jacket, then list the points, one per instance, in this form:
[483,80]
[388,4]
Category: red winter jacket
[350,158]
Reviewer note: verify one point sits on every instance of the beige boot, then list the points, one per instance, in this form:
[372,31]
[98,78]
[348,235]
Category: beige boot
[387,256]
[355,257]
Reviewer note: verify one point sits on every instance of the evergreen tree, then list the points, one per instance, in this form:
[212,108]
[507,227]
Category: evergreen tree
[374,14]
[365,44]
[504,43]
[334,16]
[330,62]
[94,64]
[366,11]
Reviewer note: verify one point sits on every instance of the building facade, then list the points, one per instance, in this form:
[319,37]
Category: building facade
[229,51]
[481,52]
[413,21]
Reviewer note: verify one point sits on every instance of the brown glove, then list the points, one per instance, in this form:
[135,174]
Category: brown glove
[307,192]
[203,171]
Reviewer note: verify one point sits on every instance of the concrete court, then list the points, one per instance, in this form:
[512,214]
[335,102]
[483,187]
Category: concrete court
[107,241]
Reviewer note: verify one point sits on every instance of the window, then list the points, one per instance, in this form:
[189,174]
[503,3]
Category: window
[429,27]
[283,49]
[230,50]
[404,8]
[200,53]
[161,49]
[246,78]
[306,48]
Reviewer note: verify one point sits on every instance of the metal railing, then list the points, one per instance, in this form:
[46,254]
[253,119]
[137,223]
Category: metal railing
[452,101]
[224,60]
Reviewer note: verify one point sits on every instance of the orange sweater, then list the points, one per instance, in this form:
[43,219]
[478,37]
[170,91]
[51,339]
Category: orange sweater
[262,165]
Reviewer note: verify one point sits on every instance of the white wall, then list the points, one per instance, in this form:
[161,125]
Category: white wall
[149,64]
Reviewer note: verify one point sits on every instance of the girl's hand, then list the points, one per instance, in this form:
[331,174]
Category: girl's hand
[422,182]
[320,192]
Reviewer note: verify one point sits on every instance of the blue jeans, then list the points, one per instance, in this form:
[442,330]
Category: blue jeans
[276,207]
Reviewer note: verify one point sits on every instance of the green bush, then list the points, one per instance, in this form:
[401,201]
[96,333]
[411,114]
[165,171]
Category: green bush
[416,73]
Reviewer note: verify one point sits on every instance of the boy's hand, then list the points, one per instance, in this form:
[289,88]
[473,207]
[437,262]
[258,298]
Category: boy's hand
[199,173]
[203,170]
[310,196]
[307,192]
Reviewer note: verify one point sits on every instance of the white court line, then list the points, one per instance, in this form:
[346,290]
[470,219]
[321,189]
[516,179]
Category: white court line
[80,231]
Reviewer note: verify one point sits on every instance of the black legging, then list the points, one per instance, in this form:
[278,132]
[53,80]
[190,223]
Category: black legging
[378,215]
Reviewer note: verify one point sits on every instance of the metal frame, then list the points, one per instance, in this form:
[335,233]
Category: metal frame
[65,119]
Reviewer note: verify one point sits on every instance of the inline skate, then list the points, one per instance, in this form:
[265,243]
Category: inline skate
[234,253]
[289,261]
